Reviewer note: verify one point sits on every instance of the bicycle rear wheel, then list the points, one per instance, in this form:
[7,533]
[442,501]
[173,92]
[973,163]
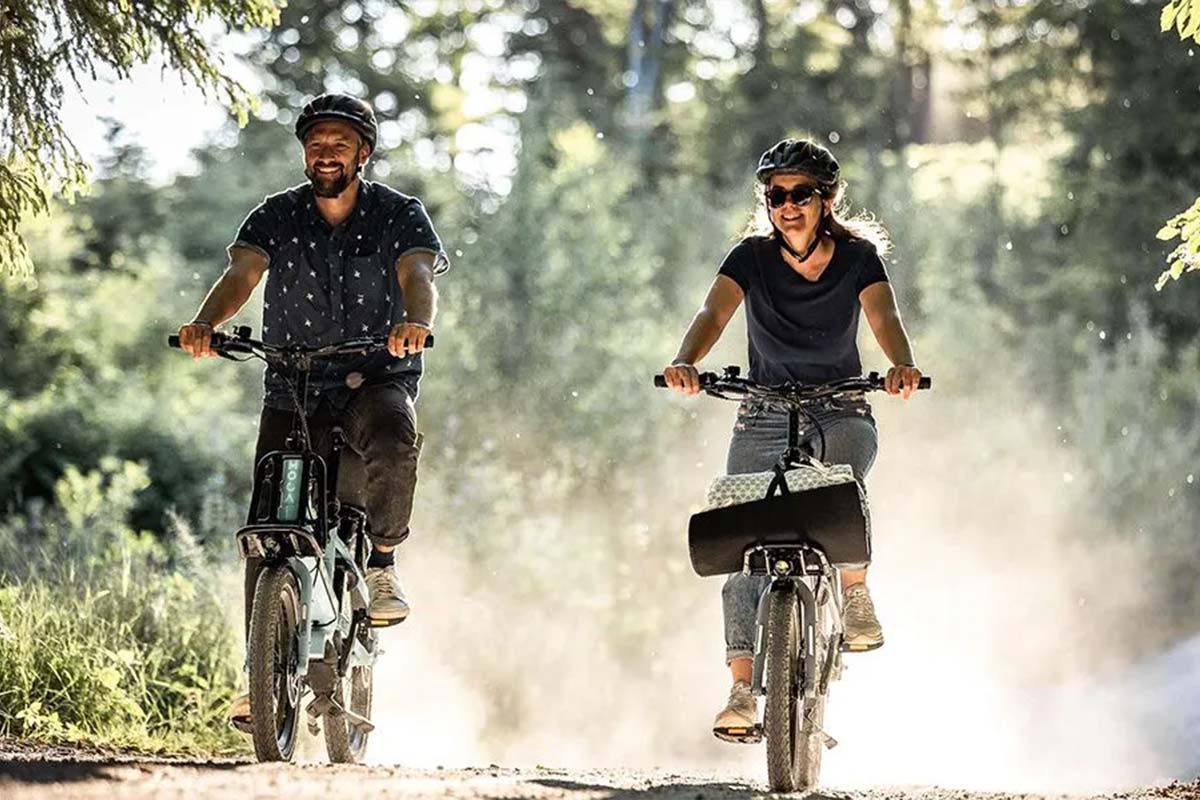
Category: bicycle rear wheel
[346,743]
[275,687]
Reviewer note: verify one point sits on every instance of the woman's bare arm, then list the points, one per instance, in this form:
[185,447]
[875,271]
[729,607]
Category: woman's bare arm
[879,304]
[724,297]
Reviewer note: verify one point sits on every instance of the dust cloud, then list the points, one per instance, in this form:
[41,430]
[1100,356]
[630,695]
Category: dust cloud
[1013,622]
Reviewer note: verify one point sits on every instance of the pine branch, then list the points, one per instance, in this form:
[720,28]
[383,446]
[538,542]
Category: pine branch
[44,43]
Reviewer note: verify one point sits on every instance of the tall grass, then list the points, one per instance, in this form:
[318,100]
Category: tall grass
[106,634]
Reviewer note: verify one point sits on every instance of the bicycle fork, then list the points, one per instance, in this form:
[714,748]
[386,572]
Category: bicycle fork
[813,677]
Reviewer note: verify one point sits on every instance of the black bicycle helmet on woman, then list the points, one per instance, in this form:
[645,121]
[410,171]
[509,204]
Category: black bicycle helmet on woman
[799,156]
[339,108]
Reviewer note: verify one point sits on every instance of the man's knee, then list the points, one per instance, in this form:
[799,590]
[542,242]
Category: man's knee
[385,421]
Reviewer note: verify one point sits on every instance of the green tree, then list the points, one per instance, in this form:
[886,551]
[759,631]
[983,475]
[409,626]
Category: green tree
[1184,17]
[44,43]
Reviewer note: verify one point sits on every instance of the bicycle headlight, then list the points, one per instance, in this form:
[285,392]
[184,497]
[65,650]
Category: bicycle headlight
[783,567]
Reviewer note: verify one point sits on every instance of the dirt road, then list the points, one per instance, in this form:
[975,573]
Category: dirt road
[28,772]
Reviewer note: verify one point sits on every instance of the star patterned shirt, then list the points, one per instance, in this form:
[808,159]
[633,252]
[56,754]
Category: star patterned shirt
[326,284]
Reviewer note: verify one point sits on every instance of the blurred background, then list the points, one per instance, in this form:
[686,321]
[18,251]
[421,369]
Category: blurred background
[587,165]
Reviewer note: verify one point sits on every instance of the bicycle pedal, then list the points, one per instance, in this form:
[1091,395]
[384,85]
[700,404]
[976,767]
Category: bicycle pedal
[383,623]
[752,735]
[860,648]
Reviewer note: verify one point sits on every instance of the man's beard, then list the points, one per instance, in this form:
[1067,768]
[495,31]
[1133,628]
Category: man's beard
[329,187]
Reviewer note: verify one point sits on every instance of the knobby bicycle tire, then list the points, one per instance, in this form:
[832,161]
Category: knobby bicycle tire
[274,705]
[792,721]
[780,716]
[344,743]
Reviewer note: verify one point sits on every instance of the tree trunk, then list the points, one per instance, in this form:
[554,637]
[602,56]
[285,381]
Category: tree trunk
[644,54]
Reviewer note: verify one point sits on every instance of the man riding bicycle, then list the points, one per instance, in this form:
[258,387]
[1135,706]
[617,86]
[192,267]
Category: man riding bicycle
[344,257]
[804,273]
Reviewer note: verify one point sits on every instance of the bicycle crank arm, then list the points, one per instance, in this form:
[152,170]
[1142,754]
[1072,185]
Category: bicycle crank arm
[358,722]
[320,706]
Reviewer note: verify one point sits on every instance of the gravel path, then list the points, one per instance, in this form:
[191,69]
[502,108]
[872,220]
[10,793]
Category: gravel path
[49,773]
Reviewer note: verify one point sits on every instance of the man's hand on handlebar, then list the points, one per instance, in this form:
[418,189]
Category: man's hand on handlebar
[407,339]
[683,378]
[195,339]
[903,379]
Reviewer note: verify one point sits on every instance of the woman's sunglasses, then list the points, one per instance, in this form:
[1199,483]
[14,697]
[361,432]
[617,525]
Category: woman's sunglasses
[800,195]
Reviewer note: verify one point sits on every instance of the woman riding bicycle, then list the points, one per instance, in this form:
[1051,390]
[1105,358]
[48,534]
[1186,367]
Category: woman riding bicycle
[804,271]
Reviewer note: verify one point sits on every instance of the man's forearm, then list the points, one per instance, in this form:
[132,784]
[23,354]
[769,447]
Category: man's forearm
[224,299]
[420,301]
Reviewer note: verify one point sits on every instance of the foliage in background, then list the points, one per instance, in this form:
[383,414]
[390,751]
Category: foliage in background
[44,42]
[1184,17]
[1186,256]
[106,633]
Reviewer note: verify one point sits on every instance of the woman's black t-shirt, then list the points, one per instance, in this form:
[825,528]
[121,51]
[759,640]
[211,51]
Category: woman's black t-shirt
[802,330]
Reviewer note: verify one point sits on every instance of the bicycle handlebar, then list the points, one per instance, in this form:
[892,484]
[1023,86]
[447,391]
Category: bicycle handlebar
[713,383]
[240,342]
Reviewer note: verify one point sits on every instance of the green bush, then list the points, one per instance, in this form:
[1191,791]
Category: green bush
[106,634]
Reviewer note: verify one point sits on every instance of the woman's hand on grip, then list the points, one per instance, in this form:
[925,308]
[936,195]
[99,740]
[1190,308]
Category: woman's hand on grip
[903,379]
[683,378]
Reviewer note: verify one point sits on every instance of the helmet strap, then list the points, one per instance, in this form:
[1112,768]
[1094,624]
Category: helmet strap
[786,245]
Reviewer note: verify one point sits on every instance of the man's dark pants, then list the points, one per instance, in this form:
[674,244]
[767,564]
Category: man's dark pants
[378,467]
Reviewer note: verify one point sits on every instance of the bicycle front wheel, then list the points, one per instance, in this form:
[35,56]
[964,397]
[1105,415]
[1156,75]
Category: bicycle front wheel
[783,708]
[793,721]
[275,686]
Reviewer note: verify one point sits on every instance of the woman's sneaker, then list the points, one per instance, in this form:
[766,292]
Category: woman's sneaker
[738,721]
[861,629]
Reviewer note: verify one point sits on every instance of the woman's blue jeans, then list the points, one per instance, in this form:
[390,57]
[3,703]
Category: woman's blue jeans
[759,439]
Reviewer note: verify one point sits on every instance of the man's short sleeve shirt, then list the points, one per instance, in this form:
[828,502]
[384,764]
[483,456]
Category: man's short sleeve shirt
[326,284]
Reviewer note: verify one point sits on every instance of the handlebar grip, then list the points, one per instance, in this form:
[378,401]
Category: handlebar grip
[706,379]
[218,340]
[925,383]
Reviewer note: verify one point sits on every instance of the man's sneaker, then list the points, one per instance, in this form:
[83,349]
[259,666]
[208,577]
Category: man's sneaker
[239,713]
[861,626]
[388,605]
[738,721]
